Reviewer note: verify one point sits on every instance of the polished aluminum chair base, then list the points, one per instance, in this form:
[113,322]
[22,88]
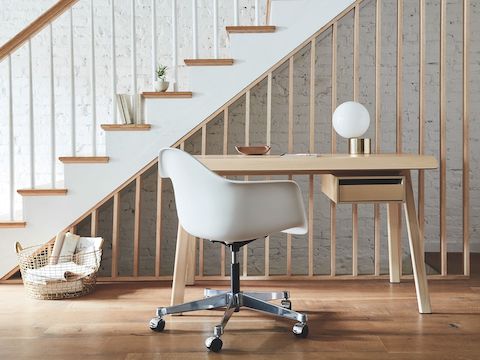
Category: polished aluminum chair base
[233,301]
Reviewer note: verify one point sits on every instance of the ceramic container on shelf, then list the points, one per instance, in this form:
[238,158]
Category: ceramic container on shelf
[161,85]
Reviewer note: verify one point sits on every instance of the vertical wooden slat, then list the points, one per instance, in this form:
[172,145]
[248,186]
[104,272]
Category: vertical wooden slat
[200,241]
[115,233]
[311,145]
[290,150]
[94,223]
[225,131]
[310,223]
[311,149]
[204,139]
[257,13]
[421,118]
[333,209]
[399,108]
[399,83]
[356,53]
[269,142]
[247,143]
[466,140]
[136,229]
[247,118]
[290,105]
[443,148]
[93,96]
[378,54]
[225,152]
[269,108]
[158,226]
[356,90]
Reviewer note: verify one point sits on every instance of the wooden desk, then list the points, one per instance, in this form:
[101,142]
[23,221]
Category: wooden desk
[336,167]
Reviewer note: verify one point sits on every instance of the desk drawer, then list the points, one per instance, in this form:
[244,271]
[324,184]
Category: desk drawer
[355,189]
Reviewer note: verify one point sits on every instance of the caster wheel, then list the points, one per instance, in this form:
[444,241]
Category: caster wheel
[214,344]
[300,330]
[157,324]
[287,304]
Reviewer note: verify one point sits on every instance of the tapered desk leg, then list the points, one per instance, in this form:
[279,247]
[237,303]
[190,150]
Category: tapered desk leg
[180,267]
[394,238]
[416,249]
[190,275]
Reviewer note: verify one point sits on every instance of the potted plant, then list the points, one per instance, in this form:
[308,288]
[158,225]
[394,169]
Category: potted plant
[160,83]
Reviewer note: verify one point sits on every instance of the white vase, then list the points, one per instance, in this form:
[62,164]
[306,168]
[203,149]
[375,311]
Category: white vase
[161,85]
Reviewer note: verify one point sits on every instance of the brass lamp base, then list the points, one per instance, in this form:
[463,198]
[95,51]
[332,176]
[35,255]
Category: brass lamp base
[359,146]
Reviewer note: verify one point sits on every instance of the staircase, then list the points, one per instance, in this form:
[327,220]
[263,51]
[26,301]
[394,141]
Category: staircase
[90,181]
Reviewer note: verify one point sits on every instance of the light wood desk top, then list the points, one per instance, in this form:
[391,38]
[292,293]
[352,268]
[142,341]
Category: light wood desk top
[321,163]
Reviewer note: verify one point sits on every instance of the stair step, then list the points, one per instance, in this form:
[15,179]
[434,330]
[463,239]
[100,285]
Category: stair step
[42,192]
[126,127]
[12,224]
[250,29]
[84,159]
[208,62]
[168,94]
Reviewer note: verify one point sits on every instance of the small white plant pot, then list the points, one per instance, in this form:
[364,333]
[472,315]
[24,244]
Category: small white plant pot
[161,85]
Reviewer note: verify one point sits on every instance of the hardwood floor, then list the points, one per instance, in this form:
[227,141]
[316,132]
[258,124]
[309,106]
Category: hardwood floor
[347,320]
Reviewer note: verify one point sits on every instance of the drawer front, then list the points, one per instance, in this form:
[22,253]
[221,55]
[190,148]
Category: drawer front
[370,192]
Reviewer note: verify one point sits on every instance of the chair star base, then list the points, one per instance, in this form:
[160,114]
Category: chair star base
[233,301]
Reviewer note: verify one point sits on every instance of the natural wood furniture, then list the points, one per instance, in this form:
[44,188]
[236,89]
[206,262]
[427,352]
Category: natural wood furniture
[379,177]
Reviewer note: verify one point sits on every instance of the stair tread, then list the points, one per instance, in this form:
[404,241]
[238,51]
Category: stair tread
[167,94]
[42,192]
[251,29]
[12,224]
[126,127]
[208,62]
[84,159]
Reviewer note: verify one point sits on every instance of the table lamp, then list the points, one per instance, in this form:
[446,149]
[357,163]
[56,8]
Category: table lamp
[351,120]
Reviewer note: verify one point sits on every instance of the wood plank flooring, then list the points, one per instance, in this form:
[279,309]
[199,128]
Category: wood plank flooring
[347,320]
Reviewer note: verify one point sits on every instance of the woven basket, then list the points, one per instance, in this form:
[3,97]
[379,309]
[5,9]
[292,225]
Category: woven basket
[63,277]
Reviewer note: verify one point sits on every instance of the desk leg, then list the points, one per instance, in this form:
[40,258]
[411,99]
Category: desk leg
[180,268]
[394,238]
[416,249]
[190,276]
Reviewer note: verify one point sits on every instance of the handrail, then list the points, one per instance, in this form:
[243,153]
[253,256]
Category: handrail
[35,26]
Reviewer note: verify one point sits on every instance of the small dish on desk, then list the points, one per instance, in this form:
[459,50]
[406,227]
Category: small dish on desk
[253,150]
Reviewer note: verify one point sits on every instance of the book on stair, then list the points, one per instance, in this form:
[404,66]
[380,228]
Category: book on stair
[125,108]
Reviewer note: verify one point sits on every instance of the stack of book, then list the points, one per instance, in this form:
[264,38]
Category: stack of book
[130,108]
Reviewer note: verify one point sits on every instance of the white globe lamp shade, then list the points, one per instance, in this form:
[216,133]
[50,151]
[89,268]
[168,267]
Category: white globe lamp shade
[351,120]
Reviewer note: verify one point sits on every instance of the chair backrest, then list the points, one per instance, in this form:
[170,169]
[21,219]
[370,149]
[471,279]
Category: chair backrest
[197,190]
[212,207]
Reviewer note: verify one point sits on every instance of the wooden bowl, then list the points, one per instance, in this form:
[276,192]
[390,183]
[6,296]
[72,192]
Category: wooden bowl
[253,150]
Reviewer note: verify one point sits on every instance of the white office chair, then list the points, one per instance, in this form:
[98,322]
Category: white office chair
[233,213]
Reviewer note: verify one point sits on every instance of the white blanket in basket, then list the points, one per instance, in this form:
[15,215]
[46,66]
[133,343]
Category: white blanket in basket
[68,271]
